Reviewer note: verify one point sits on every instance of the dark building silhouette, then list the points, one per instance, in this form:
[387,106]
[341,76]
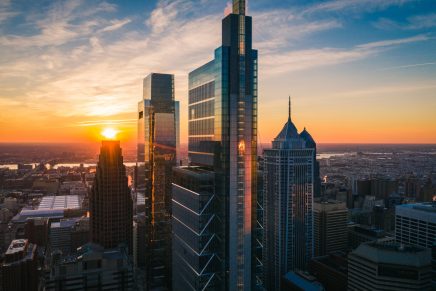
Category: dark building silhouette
[330,227]
[331,271]
[158,146]
[110,202]
[20,267]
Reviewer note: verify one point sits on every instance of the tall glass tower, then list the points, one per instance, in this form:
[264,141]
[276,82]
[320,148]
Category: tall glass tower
[223,138]
[158,143]
[289,178]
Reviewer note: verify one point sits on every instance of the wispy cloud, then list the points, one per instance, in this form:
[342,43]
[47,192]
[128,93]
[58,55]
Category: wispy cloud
[353,5]
[306,59]
[415,22]
[408,66]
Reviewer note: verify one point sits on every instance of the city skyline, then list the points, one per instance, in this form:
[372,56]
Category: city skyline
[358,71]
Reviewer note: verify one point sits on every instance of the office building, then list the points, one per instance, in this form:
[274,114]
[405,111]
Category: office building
[331,271]
[300,281]
[330,227]
[358,234]
[195,257]
[389,266]
[110,203]
[19,269]
[92,268]
[415,224]
[158,146]
[36,230]
[289,169]
[222,136]
[60,235]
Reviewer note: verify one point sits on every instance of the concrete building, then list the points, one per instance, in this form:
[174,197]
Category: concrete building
[389,266]
[36,230]
[93,268]
[415,224]
[19,269]
[331,271]
[330,219]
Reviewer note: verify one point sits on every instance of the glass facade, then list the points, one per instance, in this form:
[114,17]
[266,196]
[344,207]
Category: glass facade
[223,137]
[158,149]
[288,181]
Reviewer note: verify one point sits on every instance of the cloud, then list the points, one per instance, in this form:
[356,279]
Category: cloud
[412,23]
[116,24]
[353,5]
[307,59]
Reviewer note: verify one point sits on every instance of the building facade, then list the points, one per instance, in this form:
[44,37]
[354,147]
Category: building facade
[330,227]
[415,224]
[389,266]
[223,138]
[111,203]
[158,151]
[289,176]
[19,270]
[196,262]
[92,268]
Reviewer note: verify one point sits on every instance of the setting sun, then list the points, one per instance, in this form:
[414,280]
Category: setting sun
[109,133]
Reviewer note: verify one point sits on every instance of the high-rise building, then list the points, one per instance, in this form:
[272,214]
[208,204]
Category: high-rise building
[330,227]
[196,263]
[92,268]
[415,224]
[289,175]
[223,137]
[158,150]
[20,267]
[110,203]
[389,266]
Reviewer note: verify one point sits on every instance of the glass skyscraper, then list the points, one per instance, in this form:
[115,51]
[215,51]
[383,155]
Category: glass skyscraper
[158,143]
[289,181]
[223,138]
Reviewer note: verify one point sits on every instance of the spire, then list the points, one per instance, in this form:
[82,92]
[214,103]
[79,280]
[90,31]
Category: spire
[239,7]
[289,112]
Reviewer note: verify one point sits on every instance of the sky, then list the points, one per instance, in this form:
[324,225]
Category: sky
[358,71]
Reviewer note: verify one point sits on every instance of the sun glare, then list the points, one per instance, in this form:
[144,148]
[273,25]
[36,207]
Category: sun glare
[109,133]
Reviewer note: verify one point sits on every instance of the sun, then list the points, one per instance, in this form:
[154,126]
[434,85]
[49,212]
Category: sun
[109,133]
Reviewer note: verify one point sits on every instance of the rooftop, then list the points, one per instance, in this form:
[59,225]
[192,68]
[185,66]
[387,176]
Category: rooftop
[59,202]
[16,246]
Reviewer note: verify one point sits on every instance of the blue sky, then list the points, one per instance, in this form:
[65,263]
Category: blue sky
[354,65]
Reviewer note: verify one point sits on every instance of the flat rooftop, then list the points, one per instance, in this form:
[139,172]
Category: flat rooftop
[16,246]
[59,202]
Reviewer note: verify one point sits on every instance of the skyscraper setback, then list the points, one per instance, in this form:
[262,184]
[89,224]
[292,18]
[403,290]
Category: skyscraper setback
[158,145]
[289,177]
[223,137]
[110,201]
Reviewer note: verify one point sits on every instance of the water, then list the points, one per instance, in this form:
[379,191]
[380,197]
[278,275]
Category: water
[65,165]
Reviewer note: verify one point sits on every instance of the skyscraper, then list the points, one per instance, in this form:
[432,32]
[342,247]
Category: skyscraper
[330,227]
[110,202]
[289,178]
[158,145]
[223,137]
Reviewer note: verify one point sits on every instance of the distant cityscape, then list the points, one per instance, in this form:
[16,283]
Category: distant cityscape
[224,211]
